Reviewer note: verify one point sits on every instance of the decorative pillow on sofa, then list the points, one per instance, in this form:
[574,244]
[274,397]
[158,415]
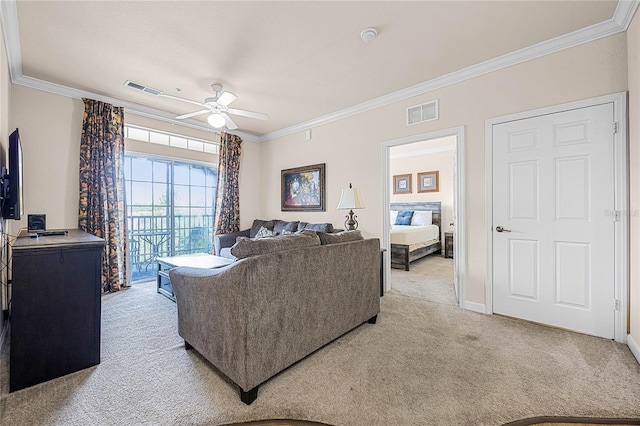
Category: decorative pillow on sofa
[404,218]
[282,225]
[247,247]
[339,237]
[320,227]
[259,223]
[264,232]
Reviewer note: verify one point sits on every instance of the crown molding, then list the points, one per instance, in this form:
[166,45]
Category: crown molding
[625,10]
[11,35]
[130,107]
[622,17]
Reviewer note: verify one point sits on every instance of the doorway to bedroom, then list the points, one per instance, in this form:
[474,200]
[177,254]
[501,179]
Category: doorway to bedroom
[421,217]
[423,192]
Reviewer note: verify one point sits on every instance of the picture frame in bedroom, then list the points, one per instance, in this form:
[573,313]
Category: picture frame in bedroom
[402,184]
[429,181]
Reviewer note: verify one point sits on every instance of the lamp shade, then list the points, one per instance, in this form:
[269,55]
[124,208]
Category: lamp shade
[350,199]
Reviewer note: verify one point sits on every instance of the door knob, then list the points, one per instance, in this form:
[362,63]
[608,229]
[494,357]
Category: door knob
[501,229]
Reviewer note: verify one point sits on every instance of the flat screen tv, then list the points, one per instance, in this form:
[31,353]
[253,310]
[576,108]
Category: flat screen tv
[12,202]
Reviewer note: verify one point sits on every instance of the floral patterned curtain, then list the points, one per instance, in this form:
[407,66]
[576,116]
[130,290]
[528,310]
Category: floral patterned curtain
[102,208]
[227,218]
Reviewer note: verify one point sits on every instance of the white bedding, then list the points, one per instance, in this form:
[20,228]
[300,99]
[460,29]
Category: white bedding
[408,234]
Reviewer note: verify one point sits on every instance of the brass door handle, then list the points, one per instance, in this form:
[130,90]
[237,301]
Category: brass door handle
[501,229]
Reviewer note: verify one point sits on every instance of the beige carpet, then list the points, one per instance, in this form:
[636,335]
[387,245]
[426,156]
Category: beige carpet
[423,363]
[429,278]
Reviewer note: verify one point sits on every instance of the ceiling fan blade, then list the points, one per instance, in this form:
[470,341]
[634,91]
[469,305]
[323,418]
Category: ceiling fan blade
[249,114]
[192,114]
[164,95]
[230,124]
[226,98]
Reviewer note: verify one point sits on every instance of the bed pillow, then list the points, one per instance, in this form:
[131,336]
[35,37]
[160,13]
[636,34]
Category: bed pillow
[422,218]
[393,216]
[404,218]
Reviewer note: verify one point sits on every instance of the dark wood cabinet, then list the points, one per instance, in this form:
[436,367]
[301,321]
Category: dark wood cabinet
[55,307]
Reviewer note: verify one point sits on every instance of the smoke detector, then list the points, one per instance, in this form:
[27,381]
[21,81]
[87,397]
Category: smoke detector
[368,35]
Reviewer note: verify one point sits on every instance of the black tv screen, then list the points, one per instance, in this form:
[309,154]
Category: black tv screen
[12,203]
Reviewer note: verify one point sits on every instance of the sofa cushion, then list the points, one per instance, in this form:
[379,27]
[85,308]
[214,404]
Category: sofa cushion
[246,247]
[404,218]
[283,225]
[264,232]
[320,227]
[339,237]
[259,223]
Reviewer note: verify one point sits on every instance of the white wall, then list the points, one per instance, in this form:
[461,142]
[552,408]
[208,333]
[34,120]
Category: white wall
[50,130]
[633,41]
[351,147]
[5,130]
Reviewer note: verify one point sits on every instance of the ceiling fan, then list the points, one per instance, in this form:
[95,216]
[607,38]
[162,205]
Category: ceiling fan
[216,106]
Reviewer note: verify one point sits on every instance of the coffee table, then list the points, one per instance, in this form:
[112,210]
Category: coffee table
[196,260]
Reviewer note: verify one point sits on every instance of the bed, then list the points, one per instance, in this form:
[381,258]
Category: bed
[420,239]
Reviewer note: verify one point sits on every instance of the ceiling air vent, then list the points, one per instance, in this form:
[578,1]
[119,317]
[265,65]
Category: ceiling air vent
[137,86]
[421,113]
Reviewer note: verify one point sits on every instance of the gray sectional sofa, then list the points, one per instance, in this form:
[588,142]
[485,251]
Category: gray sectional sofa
[222,243]
[284,298]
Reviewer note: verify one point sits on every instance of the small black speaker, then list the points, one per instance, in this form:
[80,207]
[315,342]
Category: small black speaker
[36,222]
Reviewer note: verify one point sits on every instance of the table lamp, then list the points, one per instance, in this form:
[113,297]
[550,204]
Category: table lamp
[350,199]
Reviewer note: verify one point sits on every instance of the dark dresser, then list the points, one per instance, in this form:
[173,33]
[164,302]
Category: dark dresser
[55,307]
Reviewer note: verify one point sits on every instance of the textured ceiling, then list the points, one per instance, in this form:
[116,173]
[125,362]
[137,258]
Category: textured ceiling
[295,61]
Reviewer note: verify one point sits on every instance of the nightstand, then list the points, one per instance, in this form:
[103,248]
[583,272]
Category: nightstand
[448,244]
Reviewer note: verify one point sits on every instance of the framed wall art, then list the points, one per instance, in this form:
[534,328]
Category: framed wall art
[302,189]
[402,184]
[428,181]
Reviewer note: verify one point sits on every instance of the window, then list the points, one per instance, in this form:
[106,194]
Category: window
[170,210]
[169,139]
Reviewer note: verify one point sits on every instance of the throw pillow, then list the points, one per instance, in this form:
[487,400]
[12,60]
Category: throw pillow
[404,218]
[264,232]
[282,225]
[320,227]
[259,223]
[339,237]
[247,247]
[421,218]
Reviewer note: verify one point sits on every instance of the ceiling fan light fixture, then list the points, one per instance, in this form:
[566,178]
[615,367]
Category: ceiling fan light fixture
[216,120]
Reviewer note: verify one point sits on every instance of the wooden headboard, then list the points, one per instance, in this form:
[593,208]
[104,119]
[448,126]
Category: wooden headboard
[434,206]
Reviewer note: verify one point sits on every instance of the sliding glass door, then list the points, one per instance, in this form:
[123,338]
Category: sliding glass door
[170,210]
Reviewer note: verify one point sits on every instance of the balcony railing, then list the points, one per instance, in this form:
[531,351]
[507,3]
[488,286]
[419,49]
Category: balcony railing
[151,237]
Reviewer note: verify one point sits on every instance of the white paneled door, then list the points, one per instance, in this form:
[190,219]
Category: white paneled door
[553,219]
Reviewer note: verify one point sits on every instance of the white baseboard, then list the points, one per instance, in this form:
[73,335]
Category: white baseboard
[475,307]
[635,348]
